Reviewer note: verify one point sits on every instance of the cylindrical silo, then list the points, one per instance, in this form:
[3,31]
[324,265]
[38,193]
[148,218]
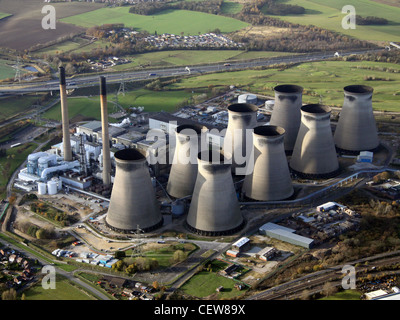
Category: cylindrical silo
[183,172]
[314,154]
[133,202]
[214,209]
[42,188]
[52,187]
[242,118]
[270,178]
[247,98]
[286,113]
[356,129]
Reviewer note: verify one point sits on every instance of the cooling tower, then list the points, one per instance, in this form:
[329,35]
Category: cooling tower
[106,174]
[314,154]
[242,118]
[286,112]
[183,172]
[356,128]
[214,209]
[270,178]
[65,117]
[133,202]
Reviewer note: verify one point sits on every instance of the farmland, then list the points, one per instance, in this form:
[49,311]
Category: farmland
[328,15]
[23,29]
[168,21]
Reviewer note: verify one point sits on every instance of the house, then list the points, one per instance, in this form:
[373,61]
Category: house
[267,253]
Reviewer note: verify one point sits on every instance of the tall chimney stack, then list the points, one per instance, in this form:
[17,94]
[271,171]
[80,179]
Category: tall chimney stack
[104,133]
[64,117]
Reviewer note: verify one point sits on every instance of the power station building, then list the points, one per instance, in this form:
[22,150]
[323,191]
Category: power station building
[286,112]
[133,204]
[314,153]
[356,129]
[270,178]
[214,209]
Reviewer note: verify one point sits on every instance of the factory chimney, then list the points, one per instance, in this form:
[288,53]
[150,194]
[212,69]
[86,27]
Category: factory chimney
[104,133]
[237,141]
[356,129]
[65,117]
[214,209]
[133,201]
[270,179]
[314,154]
[286,112]
[183,172]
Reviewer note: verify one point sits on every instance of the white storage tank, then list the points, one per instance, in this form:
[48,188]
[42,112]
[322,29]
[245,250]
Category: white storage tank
[247,98]
[41,188]
[52,187]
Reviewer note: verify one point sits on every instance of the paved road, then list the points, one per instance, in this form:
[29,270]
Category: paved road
[117,77]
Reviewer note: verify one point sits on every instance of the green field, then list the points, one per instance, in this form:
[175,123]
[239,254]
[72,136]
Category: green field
[205,283]
[6,69]
[8,164]
[65,290]
[89,107]
[14,105]
[324,79]
[328,15]
[192,57]
[4,15]
[169,21]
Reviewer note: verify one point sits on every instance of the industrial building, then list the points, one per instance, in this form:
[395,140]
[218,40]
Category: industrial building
[285,234]
[356,129]
[270,179]
[133,204]
[238,137]
[183,173]
[214,209]
[314,154]
[286,112]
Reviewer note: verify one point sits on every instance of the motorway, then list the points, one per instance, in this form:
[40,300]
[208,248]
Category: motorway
[145,74]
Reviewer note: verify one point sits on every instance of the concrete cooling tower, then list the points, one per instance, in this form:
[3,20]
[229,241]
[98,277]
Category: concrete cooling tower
[270,178]
[183,172]
[314,154]
[286,113]
[242,116]
[356,129]
[67,152]
[214,209]
[133,202]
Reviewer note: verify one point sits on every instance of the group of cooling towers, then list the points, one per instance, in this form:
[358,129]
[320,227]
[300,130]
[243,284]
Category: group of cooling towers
[302,132]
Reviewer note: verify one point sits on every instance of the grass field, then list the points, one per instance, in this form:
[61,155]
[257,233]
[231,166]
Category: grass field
[328,15]
[4,15]
[344,295]
[14,105]
[169,21]
[326,79]
[192,57]
[205,283]
[65,290]
[11,162]
[90,107]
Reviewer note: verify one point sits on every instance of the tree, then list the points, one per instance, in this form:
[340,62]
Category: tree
[329,289]
[9,295]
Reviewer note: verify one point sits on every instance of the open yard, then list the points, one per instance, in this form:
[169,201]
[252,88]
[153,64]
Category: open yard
[168,21]
[328,15]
